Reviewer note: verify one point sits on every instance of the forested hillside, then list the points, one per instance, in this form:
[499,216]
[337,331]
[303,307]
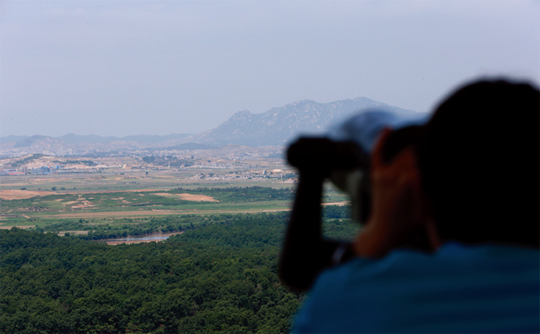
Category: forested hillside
[217,278]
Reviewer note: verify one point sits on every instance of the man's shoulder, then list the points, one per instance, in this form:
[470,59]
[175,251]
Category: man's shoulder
[458,283]
[450,257]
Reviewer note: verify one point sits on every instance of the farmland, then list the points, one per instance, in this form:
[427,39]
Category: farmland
[75,245]
[138,203]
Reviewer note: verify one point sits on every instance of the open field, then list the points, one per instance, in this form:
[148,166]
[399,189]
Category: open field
[137,203]
[22,194]
[133,179]
[18,226]
[189,197]
[153,213]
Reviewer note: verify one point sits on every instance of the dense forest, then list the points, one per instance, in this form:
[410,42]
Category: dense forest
[215,278]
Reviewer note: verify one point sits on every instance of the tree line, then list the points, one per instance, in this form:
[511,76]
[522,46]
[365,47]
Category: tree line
[217,278]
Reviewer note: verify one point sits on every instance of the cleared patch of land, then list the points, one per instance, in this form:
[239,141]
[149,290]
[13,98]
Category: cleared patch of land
[108,205]
[23,194]
[189,197]
[17,226]
[120,191]
[123,214]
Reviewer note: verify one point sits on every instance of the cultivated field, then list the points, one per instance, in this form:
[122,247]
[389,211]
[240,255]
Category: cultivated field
[79,204]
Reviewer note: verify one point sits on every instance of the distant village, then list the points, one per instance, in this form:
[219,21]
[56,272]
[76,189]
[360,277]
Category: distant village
[44,170]
[278,174]
[237,163]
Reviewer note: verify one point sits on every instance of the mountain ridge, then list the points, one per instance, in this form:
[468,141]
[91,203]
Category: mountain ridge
[275,127]
[280,125]
[70,138]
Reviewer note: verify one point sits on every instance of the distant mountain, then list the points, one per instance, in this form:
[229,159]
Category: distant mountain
[72,144]
[12,139]
[190,147]
[277,126]
[89,139]
[153,139]
[27,141]
[142,139]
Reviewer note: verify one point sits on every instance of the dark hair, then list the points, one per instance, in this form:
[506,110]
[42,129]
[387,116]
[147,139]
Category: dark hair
[478,158]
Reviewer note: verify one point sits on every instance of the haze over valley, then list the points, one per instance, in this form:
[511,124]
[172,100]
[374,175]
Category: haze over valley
[275,127]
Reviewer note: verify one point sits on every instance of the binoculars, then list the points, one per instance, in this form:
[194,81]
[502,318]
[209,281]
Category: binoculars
[343,155]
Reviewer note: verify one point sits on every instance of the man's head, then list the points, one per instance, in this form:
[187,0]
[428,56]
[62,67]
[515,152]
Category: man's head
[478,159]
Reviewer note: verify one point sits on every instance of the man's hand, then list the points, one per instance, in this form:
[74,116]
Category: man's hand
[398,208]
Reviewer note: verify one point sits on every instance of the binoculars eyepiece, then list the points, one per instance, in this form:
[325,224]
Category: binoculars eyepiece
[346,164]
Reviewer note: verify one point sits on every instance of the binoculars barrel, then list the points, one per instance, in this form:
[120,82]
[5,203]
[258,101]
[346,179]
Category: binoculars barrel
[322,155]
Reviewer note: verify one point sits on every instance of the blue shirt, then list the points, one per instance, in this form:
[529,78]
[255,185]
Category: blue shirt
[457,289]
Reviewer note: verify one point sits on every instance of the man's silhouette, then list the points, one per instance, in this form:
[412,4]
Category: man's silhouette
[467,186]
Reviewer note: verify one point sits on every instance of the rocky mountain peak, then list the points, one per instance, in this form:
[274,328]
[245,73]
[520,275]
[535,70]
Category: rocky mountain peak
[280,125]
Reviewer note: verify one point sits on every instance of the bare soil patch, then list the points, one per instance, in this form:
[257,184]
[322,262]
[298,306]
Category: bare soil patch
[119,191]
[17,226]
[189,197]
[122,214]
[82,203]
[23,194]
[122,200]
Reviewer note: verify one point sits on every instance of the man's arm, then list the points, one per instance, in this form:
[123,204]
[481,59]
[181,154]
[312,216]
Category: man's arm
[305,253]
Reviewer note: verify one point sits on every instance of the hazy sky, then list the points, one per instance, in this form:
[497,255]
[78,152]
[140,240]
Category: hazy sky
[159,67]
